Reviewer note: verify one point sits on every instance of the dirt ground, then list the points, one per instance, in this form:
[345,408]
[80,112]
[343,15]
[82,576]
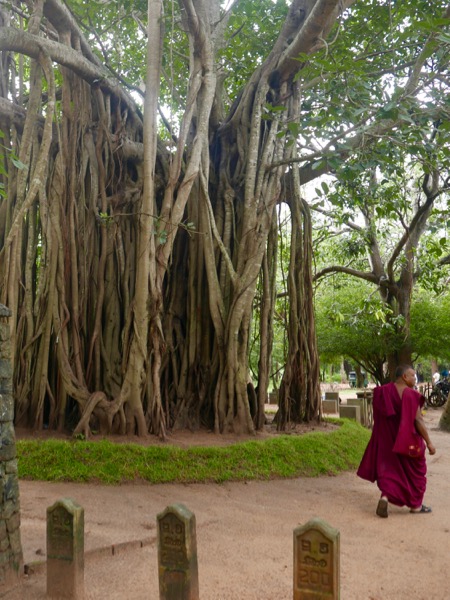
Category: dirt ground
[245,535]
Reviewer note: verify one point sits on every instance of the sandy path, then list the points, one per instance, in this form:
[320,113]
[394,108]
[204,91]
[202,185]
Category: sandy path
[245,535]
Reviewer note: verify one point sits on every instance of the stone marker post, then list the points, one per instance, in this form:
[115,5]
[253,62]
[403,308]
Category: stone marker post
[177,554]
[11,558]
[316,562]
[65,550]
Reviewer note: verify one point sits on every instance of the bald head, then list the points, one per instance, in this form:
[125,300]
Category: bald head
[406,375]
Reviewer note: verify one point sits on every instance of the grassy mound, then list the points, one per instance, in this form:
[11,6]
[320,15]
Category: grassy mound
[284,456]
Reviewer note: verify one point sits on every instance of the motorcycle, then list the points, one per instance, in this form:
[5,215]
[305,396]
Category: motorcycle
[439,394]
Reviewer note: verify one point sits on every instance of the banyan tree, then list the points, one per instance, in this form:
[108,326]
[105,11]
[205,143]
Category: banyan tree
[132,245]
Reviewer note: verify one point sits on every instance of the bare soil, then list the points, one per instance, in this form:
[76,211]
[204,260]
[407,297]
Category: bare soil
[245,534]
[186,438]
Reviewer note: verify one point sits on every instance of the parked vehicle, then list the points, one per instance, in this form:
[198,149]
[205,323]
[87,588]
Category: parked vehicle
[352,379]
[439,393]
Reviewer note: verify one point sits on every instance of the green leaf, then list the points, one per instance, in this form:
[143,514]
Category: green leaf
[444,37]
[294,128]
[389,112]
[18,163]
[325,187]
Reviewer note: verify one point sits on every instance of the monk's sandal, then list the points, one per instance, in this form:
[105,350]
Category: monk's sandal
[382,508]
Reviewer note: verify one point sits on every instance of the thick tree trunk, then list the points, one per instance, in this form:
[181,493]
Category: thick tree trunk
[444,421]
[268,296]
[105,334]
[299,394]
[147,304]
[399,301]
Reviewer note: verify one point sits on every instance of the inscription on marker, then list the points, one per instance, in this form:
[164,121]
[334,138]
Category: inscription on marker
[316,562]
[177,554]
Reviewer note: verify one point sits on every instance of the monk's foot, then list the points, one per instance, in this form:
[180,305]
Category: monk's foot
[382,508]
[422,509]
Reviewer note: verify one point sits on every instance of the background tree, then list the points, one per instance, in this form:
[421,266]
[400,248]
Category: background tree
[430,327]
[393,219]
[353,323]
[373,163]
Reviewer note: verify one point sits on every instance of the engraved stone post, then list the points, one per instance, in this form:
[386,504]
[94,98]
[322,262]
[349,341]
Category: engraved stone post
[177,554]
[316,562]
[11,559]
[65,550]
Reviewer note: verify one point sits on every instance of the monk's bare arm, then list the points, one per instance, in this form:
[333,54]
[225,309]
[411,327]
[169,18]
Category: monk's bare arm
[423,431]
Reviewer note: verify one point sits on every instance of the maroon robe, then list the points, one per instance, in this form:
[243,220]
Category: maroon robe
[400,477]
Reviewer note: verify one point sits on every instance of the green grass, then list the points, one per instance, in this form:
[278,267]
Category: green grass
[284,456]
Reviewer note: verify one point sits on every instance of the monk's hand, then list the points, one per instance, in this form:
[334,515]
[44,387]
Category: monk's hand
[431,448]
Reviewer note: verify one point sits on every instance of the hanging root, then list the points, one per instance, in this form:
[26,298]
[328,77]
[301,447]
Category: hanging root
[97,400]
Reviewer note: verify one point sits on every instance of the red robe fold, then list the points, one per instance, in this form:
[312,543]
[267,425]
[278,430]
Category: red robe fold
[401,478]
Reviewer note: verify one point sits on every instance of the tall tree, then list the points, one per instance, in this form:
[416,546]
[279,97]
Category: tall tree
[108,247]
[130,256]
[374,163]
[392,248]
[352,323]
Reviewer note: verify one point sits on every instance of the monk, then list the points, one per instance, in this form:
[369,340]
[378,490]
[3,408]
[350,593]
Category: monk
[395,455]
